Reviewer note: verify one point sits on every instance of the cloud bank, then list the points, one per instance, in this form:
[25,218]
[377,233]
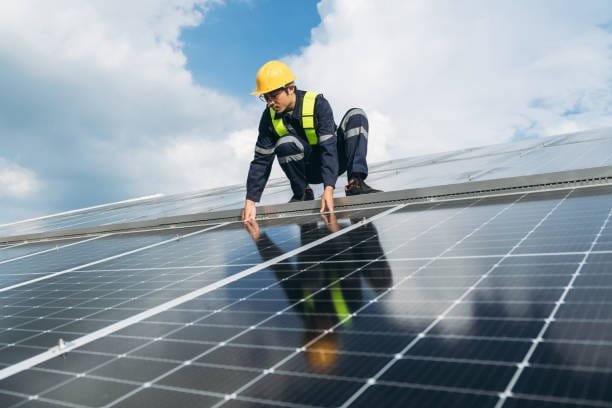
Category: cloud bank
[16,181]
[440,75]
[97,102]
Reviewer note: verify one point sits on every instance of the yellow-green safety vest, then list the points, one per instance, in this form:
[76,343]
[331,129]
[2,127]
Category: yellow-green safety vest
[307,119]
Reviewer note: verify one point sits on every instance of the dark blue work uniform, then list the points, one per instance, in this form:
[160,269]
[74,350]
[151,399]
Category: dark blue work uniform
[338,149]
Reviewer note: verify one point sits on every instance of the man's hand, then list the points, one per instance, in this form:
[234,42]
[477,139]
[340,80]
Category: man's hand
[331,222]
[253,229]
[327,200]
[249,211]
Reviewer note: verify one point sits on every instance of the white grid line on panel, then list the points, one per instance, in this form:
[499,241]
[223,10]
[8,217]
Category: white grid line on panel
[579,402]
[585,368]
[525,363]
[76,268]
[53,249]
[165,335]
[239,333]
[421,335]
[365,306]
[11,370]
[378,216]
[42,357]
[107,259]
[227,306]
[141,269]
[96,310]
[12,245]
[82,210]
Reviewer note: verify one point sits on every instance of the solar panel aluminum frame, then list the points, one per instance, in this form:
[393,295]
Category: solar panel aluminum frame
[530,183]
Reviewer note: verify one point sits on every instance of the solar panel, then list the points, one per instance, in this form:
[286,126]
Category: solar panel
[499,300]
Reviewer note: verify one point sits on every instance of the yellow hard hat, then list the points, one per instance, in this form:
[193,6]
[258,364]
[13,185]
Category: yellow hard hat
[272,75]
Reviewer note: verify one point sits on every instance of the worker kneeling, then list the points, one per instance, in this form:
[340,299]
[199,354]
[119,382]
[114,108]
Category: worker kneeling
[298,127]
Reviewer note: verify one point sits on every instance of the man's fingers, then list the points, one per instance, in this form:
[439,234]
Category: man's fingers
[323,204]
[248,215]
[327,205]
[330,205]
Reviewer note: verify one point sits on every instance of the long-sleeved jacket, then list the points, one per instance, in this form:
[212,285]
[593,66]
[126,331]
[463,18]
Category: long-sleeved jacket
[325,128]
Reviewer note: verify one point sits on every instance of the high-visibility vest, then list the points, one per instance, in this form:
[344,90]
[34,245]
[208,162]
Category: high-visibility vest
[308,105]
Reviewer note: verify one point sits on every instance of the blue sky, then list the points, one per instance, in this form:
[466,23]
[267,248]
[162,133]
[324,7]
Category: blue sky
[109,100]
[242,35]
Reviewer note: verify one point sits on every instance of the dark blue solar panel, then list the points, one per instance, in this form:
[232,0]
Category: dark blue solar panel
[490,302]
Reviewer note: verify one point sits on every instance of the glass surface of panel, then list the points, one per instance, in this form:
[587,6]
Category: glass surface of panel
[441,303]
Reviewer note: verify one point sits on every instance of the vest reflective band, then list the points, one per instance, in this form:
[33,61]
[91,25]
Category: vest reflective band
[308,105]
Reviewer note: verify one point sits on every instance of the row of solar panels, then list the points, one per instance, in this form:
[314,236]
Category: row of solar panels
[582,150]
[491,301]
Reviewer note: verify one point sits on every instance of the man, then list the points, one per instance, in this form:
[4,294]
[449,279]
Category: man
[298,127]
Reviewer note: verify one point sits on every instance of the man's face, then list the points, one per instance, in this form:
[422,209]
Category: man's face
[281,99]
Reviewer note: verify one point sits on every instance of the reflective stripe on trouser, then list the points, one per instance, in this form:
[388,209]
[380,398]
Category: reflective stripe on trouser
[290,153]
[353,142]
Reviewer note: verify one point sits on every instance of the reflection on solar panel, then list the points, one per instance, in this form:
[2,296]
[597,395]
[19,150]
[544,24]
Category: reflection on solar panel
[497,298]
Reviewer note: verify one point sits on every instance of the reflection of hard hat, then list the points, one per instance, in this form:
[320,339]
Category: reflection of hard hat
[272,75]
[323,353]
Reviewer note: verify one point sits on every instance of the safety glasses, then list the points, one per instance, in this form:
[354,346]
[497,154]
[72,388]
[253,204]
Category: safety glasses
[269,96]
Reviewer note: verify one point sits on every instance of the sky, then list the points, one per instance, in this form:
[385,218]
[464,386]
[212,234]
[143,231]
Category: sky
[106,100]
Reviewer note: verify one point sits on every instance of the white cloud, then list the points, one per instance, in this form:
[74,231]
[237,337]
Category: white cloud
[100,103]
[17,181]
[441,75]
[241,143]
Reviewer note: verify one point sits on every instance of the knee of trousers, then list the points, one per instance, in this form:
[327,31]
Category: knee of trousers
[354,120]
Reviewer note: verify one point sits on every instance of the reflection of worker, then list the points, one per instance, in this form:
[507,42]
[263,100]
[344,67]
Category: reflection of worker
[323,309]
[298,127]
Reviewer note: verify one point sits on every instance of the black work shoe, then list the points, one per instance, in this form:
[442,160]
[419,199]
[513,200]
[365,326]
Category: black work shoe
[307,196]
[357,186]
